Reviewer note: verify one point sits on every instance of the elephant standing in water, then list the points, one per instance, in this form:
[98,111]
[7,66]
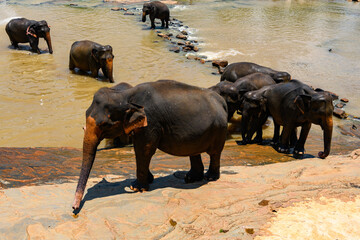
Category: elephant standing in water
[174,117]
[158,10]
[91,56]
[237,70]
[294,104]
[22,30]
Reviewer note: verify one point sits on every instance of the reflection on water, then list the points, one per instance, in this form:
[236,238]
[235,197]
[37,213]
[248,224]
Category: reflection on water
[43,104]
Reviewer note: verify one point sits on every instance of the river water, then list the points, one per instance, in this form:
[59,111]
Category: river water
[43,104]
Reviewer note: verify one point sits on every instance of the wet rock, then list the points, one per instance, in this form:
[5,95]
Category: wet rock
[73,5]
[202,61]
[333,95]
[339,113]
[191,57]
[175,49]
[220,63]
[181,36]
[195,49]
[345,100]
[181,43]
[114,8]
[340,105]
[163,35]
[350,129]
[129,13]
[124,9]
[249,230]
[184,32]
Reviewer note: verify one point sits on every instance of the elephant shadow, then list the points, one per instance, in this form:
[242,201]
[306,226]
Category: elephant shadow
[106,189]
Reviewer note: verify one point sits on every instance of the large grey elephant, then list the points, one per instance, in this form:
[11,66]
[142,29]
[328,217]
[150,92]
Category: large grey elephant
[158,10]
[295,104]
[237,70]
[91,56]
[22,30]
[174,117]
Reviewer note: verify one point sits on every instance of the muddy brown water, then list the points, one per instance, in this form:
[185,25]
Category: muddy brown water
[43,104]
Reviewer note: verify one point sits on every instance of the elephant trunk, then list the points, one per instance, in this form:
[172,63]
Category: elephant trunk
[144,16]
[48,41]
[90,143]
[327,128]
[108,69]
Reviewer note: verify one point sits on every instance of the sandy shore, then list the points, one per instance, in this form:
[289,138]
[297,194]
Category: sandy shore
[304,199]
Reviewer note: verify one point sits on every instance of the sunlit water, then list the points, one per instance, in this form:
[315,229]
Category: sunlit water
[43,104]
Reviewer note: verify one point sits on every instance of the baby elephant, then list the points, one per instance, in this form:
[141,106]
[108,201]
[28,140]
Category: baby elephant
[22,30]
[158,10]
[91,56]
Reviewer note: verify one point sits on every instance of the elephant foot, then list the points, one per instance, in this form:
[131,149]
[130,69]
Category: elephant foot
[193,176]
[322,155]
[299,151]
[150,177]
[282,149]
[243,142]
[136,186]
[212,176]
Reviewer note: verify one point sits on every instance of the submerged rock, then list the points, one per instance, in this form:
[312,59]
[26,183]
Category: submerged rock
[350,129]
[220,63]
[181,36]
[175,49]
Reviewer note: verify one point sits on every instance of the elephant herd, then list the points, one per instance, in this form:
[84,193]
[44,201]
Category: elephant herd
[181,119]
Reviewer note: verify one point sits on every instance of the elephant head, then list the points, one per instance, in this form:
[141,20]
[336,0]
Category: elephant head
[318,108]
[147,9]
[41,29]
[104,57]
[109,115]
[280,77]
[230,94]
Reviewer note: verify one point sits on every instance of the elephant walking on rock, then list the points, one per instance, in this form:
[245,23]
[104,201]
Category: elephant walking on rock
[91,56]
[295,104]
[22,30]
[174,117]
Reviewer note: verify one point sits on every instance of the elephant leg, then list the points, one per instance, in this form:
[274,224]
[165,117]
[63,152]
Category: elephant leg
[213,173]
[196,172]
[275,140]
[94,72]
[299,147]
[167,22]
[143,154]
[258,138]
[163,23]
[34,43]
[293,138]
[285,138]
[152,19]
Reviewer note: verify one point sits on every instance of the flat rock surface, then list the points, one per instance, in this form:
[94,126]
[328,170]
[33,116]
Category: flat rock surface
[303,199]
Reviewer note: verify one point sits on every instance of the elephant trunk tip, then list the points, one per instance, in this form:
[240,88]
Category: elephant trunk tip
[77,200]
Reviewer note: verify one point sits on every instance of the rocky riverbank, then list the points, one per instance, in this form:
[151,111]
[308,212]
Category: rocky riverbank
[304,199]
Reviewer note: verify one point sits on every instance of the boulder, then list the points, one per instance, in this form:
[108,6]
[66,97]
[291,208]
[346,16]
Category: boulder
[184,32]
[340,105]
[220,63]
[345,100]
[181,36]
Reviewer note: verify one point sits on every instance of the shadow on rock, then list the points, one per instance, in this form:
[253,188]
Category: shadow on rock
[106,189]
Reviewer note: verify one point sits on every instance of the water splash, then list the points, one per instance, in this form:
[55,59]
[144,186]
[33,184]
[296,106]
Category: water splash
[222,54]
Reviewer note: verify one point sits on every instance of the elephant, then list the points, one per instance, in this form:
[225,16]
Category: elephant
[91,56]
[254,114]
[237,70]
[158,10]
[177,118]
[295,104]
[233,92]
[22,30]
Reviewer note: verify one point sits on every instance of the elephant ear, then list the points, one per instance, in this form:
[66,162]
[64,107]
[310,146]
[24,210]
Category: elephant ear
[153,8]
[95,54]
[302,102]
[135,118]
